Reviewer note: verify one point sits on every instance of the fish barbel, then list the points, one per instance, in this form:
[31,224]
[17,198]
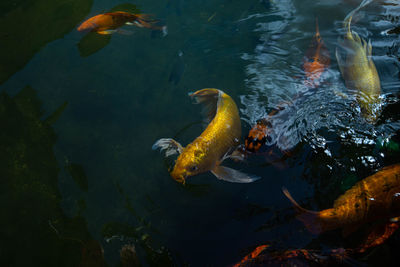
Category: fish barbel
[208,150]
[358,70]
[372,199]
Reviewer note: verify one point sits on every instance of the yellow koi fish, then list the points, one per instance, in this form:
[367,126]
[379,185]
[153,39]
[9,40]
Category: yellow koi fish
[359,71]
[208,150]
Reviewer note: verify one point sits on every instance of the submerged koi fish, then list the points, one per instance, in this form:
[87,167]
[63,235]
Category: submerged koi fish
[359,71]
[379,234]
[208,150]
[107,23]
[317,59]
[375,198]
[262,256]
[251,256]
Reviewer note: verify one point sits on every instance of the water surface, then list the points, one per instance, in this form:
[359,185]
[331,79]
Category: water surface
[81,112]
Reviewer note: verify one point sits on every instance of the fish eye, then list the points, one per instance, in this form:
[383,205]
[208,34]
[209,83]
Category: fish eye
[193,168]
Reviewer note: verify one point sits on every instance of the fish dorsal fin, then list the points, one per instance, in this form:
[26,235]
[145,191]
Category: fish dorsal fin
[340,61]
[369,50]
[210,98]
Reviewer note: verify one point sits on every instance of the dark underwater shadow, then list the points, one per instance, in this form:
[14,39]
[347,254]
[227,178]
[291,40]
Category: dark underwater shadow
[27,26]
[34,230]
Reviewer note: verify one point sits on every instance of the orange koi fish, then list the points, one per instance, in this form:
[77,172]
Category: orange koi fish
[252,255]
[379,234]
[317,59]
[108,23]
[294,257]
[373,199]
[208,150]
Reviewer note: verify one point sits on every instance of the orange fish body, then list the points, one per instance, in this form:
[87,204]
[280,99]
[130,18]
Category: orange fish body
[374,198]
[379,234]
[317,60]
[103,23]
[251,256]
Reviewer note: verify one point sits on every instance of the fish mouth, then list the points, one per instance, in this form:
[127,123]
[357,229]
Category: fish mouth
[180,178]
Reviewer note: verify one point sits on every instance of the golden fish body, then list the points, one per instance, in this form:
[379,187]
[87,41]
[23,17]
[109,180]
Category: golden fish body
[359,71]
[208,150]
[374,198]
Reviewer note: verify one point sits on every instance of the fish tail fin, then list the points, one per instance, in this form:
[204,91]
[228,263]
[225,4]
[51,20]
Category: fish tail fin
[348,18]
[146,21]
[317,29]
[309,218]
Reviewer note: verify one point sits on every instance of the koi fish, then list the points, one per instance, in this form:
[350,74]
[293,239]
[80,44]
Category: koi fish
[252,255]
[257,136]
[375,198]
[317,59]
[213,146]
[261,256]
[379,234]
[108,23]
[358,70]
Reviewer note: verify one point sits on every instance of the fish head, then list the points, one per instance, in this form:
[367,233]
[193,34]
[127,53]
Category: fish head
[189,163]
[87,26]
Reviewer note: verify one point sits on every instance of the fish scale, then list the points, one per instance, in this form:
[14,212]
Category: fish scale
[373,199]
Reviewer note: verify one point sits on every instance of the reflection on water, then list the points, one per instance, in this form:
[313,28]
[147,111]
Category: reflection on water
[273,70]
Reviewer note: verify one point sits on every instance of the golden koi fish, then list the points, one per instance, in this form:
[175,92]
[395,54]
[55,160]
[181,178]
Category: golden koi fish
[107,23]
[359,71]
[208,150]
[375,198]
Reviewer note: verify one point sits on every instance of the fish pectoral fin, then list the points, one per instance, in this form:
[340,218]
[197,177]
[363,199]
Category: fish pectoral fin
[124,32]
[106,32]
[170,146]
[233,176]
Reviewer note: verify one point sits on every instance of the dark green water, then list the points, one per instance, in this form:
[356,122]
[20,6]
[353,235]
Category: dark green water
[79,114]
